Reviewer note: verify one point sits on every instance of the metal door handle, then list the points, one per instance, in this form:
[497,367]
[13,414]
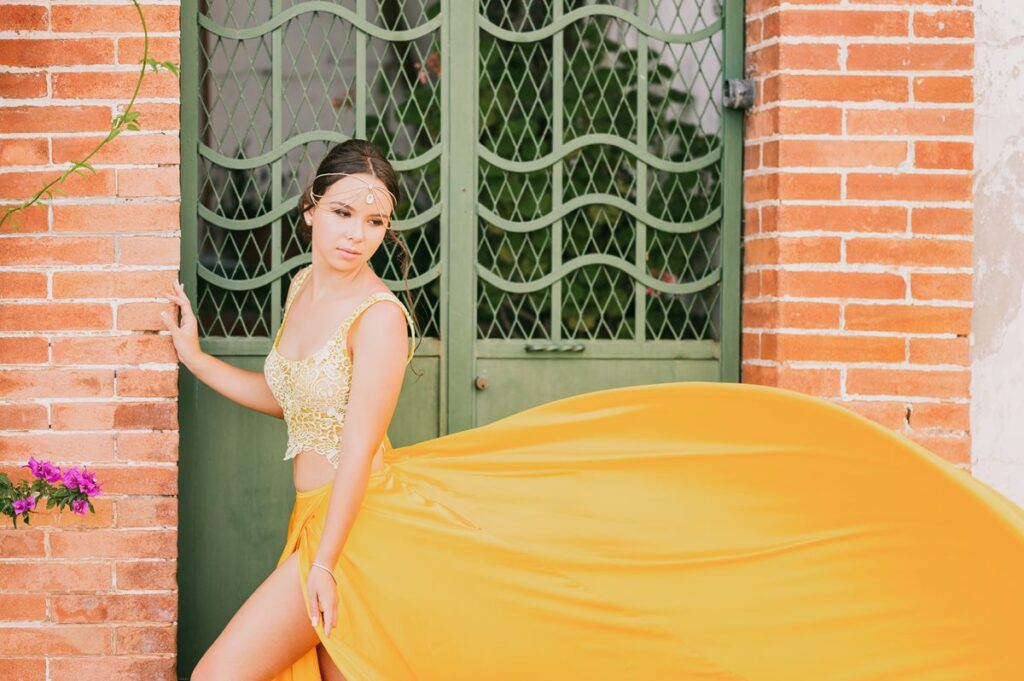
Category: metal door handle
[564,346]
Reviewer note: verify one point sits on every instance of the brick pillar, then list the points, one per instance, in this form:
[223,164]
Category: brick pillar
[858,209]
[84,377]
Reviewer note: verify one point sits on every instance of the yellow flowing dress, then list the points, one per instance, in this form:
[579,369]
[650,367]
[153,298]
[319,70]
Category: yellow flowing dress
[668,532]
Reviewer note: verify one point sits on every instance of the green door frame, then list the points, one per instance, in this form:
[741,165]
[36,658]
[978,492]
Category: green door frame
[459,353]
[732,194]
[459,277]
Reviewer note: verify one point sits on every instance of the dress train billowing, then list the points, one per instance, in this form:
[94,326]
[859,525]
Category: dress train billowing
[672,531]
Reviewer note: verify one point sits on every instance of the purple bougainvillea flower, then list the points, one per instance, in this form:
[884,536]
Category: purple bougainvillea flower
[35,466]
[79,506]
[88,484]
[22,505]
[49,472]
[72,478]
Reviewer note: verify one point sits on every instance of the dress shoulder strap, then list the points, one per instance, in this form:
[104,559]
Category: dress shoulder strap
[296,285]
[293,290]
[376,298]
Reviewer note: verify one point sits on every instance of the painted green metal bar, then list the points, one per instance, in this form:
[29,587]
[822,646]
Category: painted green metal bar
[346,15]
[459,41]
[361,83]
[600,139]
[642,86]
[187,648]
[289,204]
[705,282]
[296,141]
[188,172]
[732,197]
[220,282]
[557,140]
[597,11]
[276,168]
[604,200]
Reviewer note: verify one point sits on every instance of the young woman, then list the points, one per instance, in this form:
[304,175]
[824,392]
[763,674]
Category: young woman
[656,532]
[338,361]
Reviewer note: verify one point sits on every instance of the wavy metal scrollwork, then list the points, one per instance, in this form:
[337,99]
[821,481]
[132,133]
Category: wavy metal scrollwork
[563,169]
[247,241]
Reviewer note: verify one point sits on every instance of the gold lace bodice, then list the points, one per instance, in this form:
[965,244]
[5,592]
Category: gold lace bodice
[313,392]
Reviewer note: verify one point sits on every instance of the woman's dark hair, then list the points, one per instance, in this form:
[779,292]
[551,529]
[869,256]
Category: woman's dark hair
[352,157]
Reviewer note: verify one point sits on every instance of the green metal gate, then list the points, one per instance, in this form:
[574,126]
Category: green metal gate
[571,201]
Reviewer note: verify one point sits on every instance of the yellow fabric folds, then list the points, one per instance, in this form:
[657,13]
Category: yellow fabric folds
[673,531]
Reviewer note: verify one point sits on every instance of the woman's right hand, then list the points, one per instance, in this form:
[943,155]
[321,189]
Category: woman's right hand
[185,335]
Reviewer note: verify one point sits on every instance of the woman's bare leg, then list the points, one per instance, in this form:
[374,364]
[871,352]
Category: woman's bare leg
[270,631]
[328,670]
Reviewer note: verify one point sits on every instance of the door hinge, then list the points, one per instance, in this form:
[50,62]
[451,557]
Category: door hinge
[738,93]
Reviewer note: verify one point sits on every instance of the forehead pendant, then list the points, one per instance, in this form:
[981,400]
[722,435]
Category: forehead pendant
[369,197]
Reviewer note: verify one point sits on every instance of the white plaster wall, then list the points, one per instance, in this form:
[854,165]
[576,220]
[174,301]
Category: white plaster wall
[997,353]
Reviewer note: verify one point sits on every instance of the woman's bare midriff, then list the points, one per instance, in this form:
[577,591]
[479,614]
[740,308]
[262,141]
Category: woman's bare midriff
[312,470]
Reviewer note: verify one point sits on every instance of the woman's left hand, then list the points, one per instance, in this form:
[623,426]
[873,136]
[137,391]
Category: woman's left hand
[323,598]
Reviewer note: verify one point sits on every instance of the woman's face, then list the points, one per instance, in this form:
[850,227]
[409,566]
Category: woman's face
[350,221]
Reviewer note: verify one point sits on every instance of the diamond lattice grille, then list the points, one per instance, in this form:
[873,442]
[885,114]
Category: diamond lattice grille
[601,184]
[275,96]
[598,158]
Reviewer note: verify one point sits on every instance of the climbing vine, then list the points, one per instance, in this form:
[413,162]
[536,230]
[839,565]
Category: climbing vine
[126,120]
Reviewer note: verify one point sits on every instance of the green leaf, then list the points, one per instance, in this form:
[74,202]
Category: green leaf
[661,74]
[678,96]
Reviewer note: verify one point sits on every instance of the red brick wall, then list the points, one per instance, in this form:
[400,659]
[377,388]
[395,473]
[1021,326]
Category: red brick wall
[858,209]
[84,379]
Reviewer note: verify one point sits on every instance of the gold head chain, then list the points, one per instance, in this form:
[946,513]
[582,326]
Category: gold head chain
[374,193]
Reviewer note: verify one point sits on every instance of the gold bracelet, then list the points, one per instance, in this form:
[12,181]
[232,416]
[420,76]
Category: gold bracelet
[329,571]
